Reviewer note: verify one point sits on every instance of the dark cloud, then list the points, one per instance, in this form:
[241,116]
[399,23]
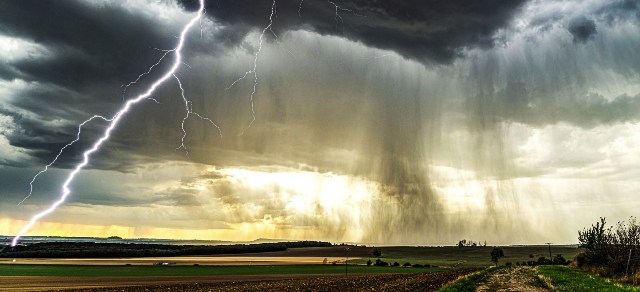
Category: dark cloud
[428,31]
[582,29]
[88,43]
[519,104]
[617,10]
[91,50]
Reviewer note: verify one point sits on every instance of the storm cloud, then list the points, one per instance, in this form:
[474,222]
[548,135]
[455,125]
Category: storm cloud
[438,120]
[428,31]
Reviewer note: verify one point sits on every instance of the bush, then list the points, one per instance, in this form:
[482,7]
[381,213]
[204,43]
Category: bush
[407,264]
[608,248]
[381,263]
[508,264]
[543,261]
[377,252]
[369,262]
[396,264]
[418,266]
[559,260]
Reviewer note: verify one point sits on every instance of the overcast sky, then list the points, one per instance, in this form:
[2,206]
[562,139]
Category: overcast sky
[413,122]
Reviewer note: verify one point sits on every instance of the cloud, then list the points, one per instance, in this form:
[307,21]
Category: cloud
[430,32]
[582,29]
[382,98]
[87,43]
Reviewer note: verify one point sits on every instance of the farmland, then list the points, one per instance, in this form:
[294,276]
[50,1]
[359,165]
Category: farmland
[452,256]
[156,271]
[295,269]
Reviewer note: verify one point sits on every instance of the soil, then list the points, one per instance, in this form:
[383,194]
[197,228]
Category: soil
[282,283]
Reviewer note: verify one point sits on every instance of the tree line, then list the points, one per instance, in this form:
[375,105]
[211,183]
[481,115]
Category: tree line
[107,250]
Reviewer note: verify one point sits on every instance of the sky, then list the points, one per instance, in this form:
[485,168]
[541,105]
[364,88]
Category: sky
[380,122]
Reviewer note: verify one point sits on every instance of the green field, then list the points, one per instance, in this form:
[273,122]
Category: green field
[92,271]
[466,256]
[564,278]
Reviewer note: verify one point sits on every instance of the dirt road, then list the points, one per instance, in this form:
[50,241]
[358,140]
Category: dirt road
[515,279]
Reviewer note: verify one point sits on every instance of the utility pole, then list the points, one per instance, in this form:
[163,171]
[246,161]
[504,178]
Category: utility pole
[628,261]
[550,258]
[346,261]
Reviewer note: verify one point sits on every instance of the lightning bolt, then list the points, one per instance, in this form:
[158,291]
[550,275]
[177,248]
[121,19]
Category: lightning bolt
[166,52]
[60,153]
[189,109]
[254,71]
[113,122]
[337,16]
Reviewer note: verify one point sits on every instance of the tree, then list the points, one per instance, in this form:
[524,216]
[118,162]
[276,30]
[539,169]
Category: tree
[369,262]
[377,252]
[381,263]
[496,254]
[610,249]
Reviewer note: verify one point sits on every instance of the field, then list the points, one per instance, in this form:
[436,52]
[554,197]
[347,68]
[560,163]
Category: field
[360,282]
[452,256]
[120,271]
[541,278]
[567,279]
[291,270]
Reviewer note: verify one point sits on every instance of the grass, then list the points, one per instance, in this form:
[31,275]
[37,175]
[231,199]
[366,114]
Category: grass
[454,256]
[92,271]
[470,282]
[564,278]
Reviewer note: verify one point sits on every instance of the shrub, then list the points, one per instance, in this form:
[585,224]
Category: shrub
[559,260]
[381,263]
[369,262]
[396,264]
[543,261]
[377,252]
[407,264]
